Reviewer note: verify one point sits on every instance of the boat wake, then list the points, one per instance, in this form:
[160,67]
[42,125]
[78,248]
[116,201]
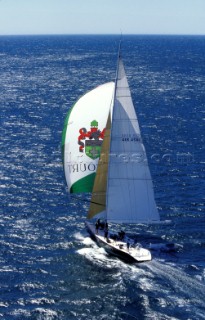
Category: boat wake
[165,285]
[165,247]
[179,281]
[162,290]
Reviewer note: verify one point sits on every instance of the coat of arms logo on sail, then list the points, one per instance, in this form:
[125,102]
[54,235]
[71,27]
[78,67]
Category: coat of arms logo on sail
[90,141]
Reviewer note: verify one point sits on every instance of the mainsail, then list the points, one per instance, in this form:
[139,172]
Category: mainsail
[83,134]
[130,196]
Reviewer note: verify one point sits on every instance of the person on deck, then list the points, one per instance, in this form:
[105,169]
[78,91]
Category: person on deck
[121,235]
[128,245]
[106,231]
[97,225]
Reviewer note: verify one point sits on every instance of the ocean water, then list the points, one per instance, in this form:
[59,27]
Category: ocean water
[49,267]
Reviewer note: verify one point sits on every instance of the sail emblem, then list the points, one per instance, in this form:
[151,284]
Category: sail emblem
[93,140]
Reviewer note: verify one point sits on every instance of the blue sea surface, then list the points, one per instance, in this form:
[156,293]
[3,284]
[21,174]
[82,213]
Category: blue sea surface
[49,267]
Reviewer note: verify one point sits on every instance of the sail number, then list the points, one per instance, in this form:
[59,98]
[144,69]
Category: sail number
[131,137]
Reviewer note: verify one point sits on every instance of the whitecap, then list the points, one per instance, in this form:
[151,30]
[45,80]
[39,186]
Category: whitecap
[26,287]
[4,304]
[21,312]
[42,301]
[45,314]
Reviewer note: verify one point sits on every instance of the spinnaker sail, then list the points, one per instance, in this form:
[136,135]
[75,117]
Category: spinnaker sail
[83,135]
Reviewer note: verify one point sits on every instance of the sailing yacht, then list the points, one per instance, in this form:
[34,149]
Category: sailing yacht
[109,160]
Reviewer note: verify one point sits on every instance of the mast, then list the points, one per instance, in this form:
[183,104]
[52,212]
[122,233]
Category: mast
[117,69]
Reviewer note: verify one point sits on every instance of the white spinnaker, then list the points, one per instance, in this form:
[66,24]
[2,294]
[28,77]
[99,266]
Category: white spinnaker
[79,167]
[130,196]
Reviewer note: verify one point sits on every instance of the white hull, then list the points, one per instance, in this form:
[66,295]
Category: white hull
[119,248]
